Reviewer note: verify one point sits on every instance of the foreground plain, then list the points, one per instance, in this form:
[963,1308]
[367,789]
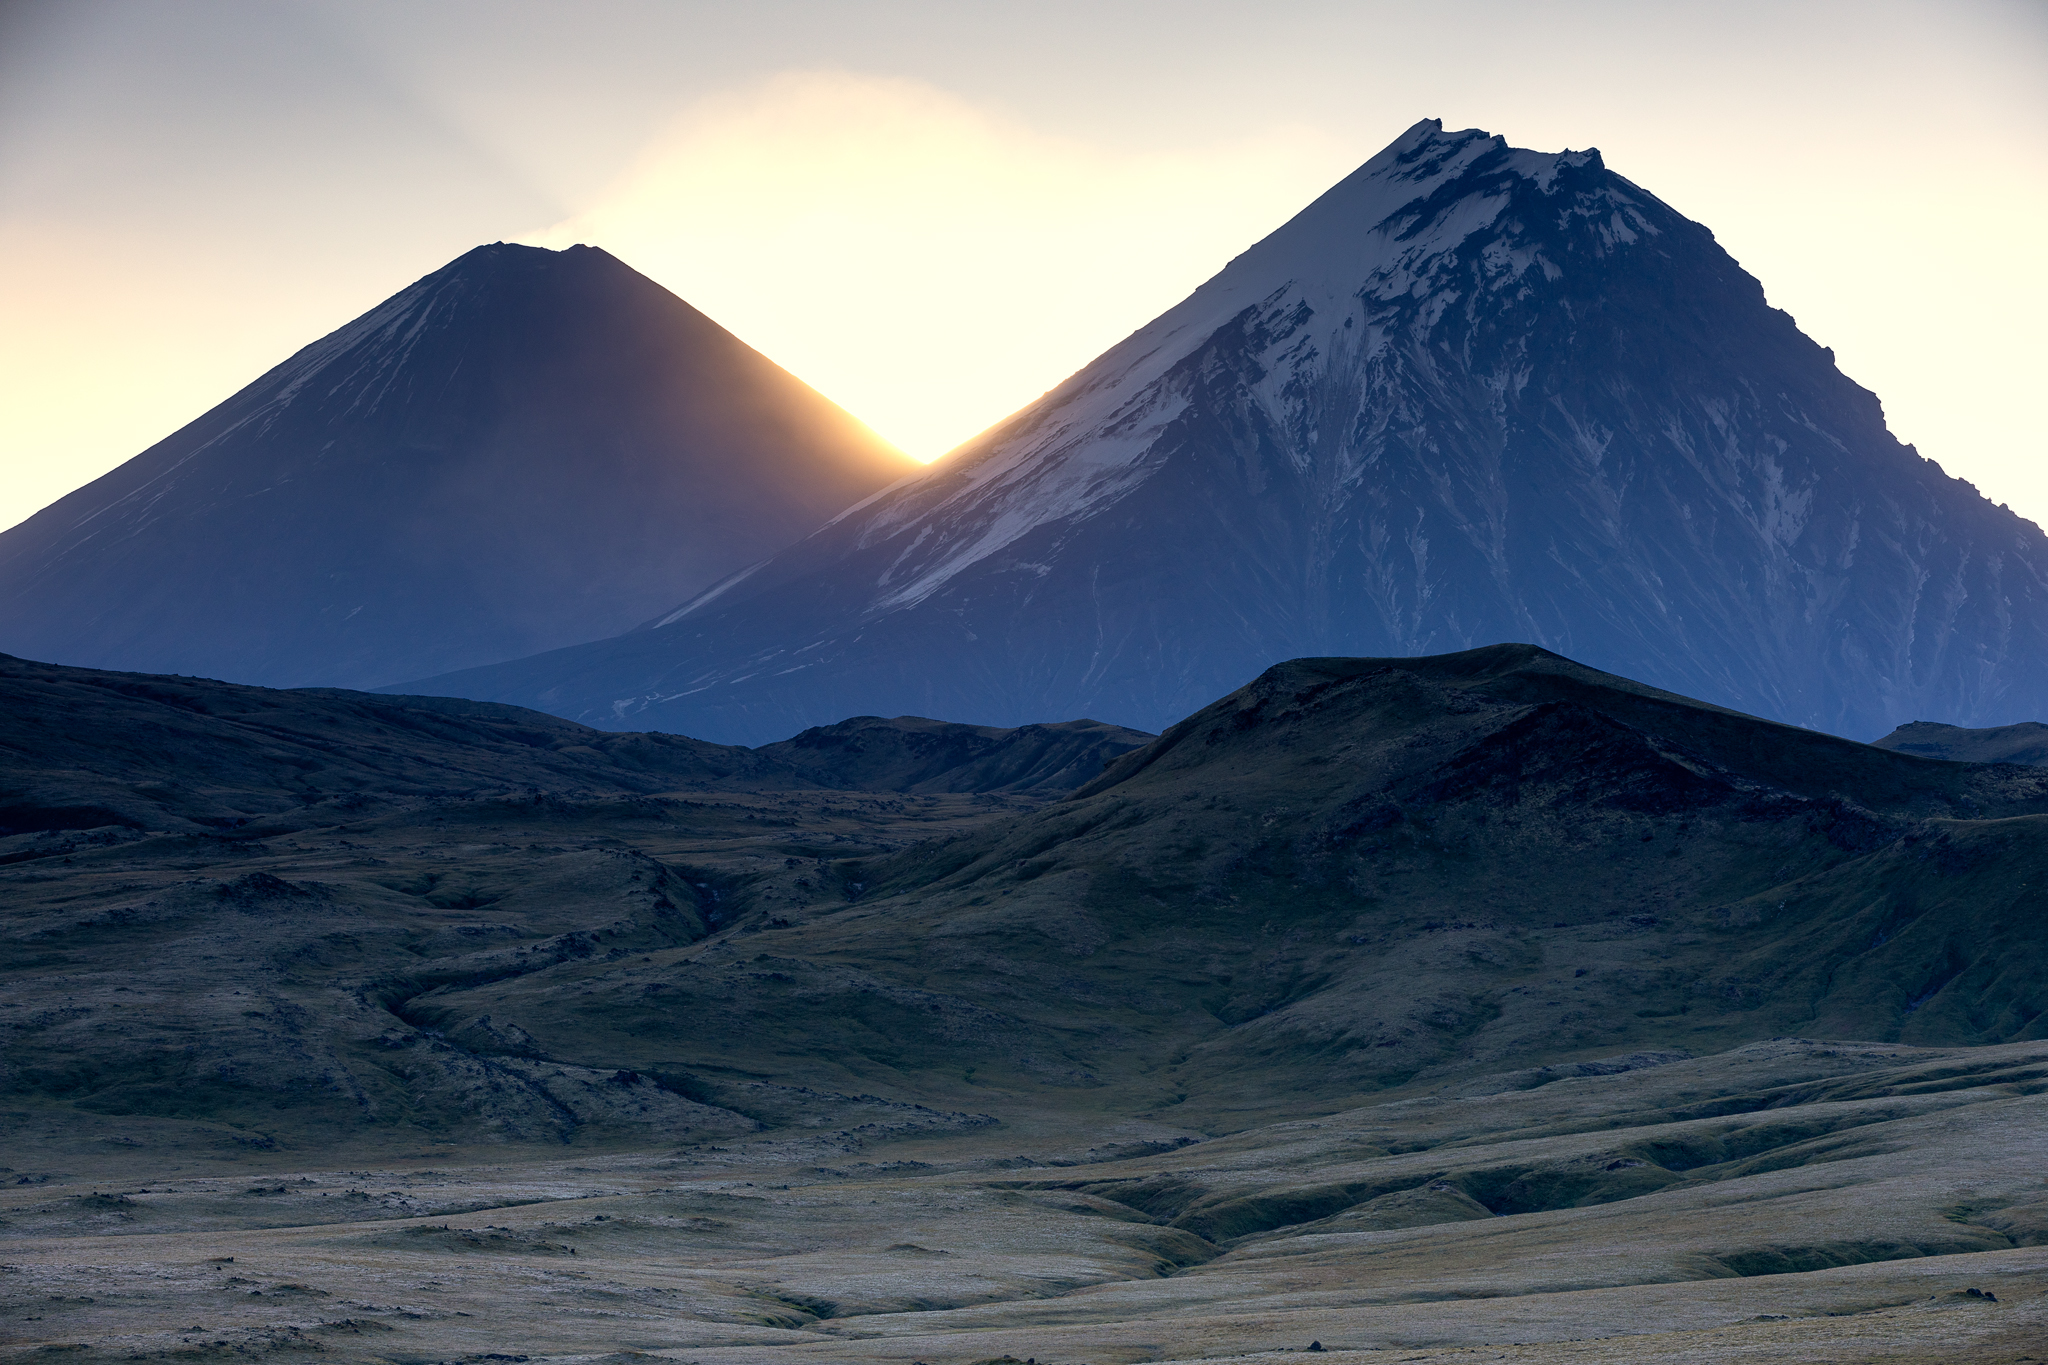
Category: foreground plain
[1479,1007]
[1790,1200]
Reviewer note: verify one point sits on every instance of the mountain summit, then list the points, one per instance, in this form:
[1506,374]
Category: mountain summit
[1473,393]
[525,449]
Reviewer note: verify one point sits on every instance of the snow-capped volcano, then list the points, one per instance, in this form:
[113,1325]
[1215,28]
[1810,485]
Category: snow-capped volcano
[1299,292]
[523,449]
[1471,394]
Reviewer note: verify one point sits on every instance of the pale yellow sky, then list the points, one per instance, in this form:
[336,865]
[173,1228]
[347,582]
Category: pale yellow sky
[934,212]
[931,263]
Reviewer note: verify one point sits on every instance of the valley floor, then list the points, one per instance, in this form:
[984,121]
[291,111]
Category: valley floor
[1785,1201]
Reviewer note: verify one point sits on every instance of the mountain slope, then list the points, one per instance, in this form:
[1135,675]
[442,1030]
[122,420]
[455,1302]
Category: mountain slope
[1472,393]
[1360,873]
[524,449]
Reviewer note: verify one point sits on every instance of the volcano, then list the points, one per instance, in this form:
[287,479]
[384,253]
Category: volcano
[1471,394]
[525,449]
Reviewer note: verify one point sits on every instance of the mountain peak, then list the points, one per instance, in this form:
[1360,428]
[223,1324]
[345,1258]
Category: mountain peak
[493,258]
[1423,195]
[1472,393]
[1426,157]
[1387,236]
[476,275]
[521,450]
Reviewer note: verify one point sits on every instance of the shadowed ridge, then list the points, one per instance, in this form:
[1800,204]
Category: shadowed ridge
[88,748]
[454,706]
[1361,874]
[1786,757]
[914,754]
[2026,742]
[1351,877]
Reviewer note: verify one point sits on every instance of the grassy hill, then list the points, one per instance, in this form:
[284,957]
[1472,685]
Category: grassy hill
[1377,985]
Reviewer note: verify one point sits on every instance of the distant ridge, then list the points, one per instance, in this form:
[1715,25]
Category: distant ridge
[522,450]
[1473,393]
[91,750]
[2026,742]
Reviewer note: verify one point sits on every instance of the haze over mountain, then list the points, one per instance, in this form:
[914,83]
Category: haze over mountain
[522,450]
[1472,394]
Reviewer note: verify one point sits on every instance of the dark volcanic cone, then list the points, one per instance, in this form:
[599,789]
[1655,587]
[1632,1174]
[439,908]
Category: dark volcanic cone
[525,449]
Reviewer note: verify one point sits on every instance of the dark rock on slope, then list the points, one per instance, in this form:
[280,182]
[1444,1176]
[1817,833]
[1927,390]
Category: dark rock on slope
[1472,393]
[523,450]
[2026,742]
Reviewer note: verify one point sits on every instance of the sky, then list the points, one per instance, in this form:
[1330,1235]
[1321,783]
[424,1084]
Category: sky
[933,212]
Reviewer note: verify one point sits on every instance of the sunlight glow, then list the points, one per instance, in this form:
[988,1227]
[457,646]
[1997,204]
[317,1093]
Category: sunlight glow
[927,264]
